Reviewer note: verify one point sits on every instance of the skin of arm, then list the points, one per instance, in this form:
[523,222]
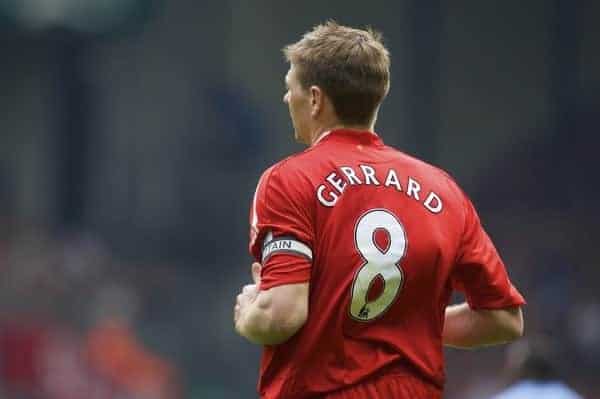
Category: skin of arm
[467,328]
[270,317]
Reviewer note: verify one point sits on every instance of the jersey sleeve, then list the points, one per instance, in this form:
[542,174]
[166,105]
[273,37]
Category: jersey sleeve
[479,271]
[281,230]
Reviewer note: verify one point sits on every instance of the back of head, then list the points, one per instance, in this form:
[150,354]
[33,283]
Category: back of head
[536,358]
[350,65]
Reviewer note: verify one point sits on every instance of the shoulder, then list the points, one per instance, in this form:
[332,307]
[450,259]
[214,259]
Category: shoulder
[431,169]
[287,179]
[294,168]
[564,390]
[444,181]
[530,389]
[520,390]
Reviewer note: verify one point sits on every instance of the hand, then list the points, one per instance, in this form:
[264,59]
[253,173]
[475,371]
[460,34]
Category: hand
[248,294]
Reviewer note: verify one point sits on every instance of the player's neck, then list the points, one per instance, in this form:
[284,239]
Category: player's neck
[320,131]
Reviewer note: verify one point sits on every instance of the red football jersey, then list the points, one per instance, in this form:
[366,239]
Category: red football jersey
[383,239]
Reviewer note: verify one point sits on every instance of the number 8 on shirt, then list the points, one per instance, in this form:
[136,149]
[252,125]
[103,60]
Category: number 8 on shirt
[384,262]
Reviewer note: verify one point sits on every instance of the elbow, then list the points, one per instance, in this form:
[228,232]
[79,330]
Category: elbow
[286,324]
[298,321]
[515,326]
[277,323]
[288,311]
[520,325]
[277,314]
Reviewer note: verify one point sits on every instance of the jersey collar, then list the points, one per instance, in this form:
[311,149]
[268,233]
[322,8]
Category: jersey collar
[349,136]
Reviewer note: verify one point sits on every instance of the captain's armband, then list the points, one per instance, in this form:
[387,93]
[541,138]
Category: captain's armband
[284,244]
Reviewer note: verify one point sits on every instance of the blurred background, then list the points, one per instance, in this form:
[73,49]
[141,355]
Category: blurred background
[133,132]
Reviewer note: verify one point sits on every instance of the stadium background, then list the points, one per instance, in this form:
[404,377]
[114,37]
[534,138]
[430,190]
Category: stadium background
[133,133]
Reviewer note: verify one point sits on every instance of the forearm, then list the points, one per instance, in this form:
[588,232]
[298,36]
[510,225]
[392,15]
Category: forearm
[258,324]
[468,328]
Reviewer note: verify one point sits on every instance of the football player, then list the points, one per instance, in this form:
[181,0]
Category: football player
[359,246]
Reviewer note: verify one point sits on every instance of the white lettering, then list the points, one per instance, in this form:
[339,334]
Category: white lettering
[322,200]
[351,175]
[286,245]
[283,244]
[369,173]
[338,183]
[437,208]
[413,188]
[392,180]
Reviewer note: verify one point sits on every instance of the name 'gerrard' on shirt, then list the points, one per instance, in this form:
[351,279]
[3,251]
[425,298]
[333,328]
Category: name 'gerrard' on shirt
[329,194]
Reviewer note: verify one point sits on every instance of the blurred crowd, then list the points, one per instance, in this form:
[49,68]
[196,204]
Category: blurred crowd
[69,322]
[539,206]
[156,118]
[78,322]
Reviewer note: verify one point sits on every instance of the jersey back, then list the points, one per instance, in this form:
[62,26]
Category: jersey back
[383,239]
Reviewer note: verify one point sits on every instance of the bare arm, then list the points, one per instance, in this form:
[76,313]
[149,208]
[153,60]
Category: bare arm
[272,316]
[467,328]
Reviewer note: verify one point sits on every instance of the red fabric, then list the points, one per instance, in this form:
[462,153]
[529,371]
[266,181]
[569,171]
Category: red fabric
[438,245]
[284,268]
[281,209]
[479,271]
[396,386]
[20,348]
[116,354]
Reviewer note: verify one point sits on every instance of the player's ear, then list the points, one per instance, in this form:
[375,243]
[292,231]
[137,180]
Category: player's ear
[316,100]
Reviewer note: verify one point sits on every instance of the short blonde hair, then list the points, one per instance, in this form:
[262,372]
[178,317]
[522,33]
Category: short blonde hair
[352,66]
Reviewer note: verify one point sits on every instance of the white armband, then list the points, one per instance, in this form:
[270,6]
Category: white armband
[286,245]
